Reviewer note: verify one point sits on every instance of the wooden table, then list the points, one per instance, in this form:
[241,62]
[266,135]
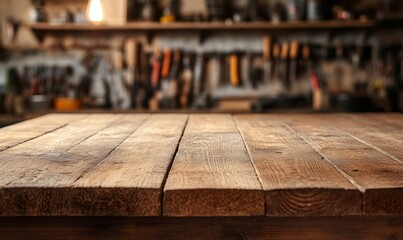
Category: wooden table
[202,176]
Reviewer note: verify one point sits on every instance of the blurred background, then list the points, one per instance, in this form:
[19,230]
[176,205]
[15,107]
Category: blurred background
[199,56]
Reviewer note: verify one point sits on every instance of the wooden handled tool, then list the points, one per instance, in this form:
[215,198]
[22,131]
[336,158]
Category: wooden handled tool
[166,66]
[306,52]
[304,63]
[156,68]
[234,69]
[142,62]
[267,58]
[130,50]
[175,66]
[186,81]
[293,63]
[276,56]
[173,78]
[246,65]
[284,63]
[222,69]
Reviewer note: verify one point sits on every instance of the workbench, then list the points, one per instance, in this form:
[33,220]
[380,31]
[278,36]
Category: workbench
[202,176]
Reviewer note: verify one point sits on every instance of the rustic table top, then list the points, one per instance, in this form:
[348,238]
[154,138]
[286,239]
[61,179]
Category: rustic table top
[202,165]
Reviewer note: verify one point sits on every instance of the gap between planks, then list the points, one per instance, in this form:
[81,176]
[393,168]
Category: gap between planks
[212,174]
[376,173]
[354,135]
[348,177]
[90,168]
[251,159]
[314,196]
[40,134]
[82,140]
[164,181]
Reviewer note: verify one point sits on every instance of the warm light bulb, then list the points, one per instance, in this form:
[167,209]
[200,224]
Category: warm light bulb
[95,12]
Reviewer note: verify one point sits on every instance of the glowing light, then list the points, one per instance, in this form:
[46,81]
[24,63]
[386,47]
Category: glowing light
[95,12]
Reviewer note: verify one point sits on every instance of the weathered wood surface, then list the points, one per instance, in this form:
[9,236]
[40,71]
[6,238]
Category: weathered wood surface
[203,165]
[45,188]
[297,180]
[212,174]
[13,135]
[130,180]
[379,177]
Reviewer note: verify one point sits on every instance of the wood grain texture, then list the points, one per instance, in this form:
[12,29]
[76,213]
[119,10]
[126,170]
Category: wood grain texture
[44,188]
[15,134]
[241,228]
[212,174]
[57,142]
[378,135]
[209,165]
[27,160]
[375,174]
[129,181]
[392,119]
[297,180]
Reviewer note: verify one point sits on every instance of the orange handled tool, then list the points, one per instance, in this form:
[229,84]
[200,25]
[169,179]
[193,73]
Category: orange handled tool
[234,66]
[156,68]
[166,66]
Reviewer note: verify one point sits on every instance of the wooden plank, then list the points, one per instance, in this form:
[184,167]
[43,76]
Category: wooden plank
[201,228]
[61,140]
[45,191]
[376,134]
[29,157]
[19,133]
[212,174]
[129,181]
[297,180]
[378,176]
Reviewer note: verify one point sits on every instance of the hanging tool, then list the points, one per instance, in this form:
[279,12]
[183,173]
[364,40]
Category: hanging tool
[293,63]
[198,72]
[130,53]
[234,70]
[166,66]
[139,91]
[156,68]
[186,82]
[284,63]
[267,59]
[165,100]
[173,77]
[276,56]
[246,66]
[222,69]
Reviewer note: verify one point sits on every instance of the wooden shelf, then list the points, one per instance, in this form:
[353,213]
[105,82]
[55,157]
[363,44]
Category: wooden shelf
[202,26]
